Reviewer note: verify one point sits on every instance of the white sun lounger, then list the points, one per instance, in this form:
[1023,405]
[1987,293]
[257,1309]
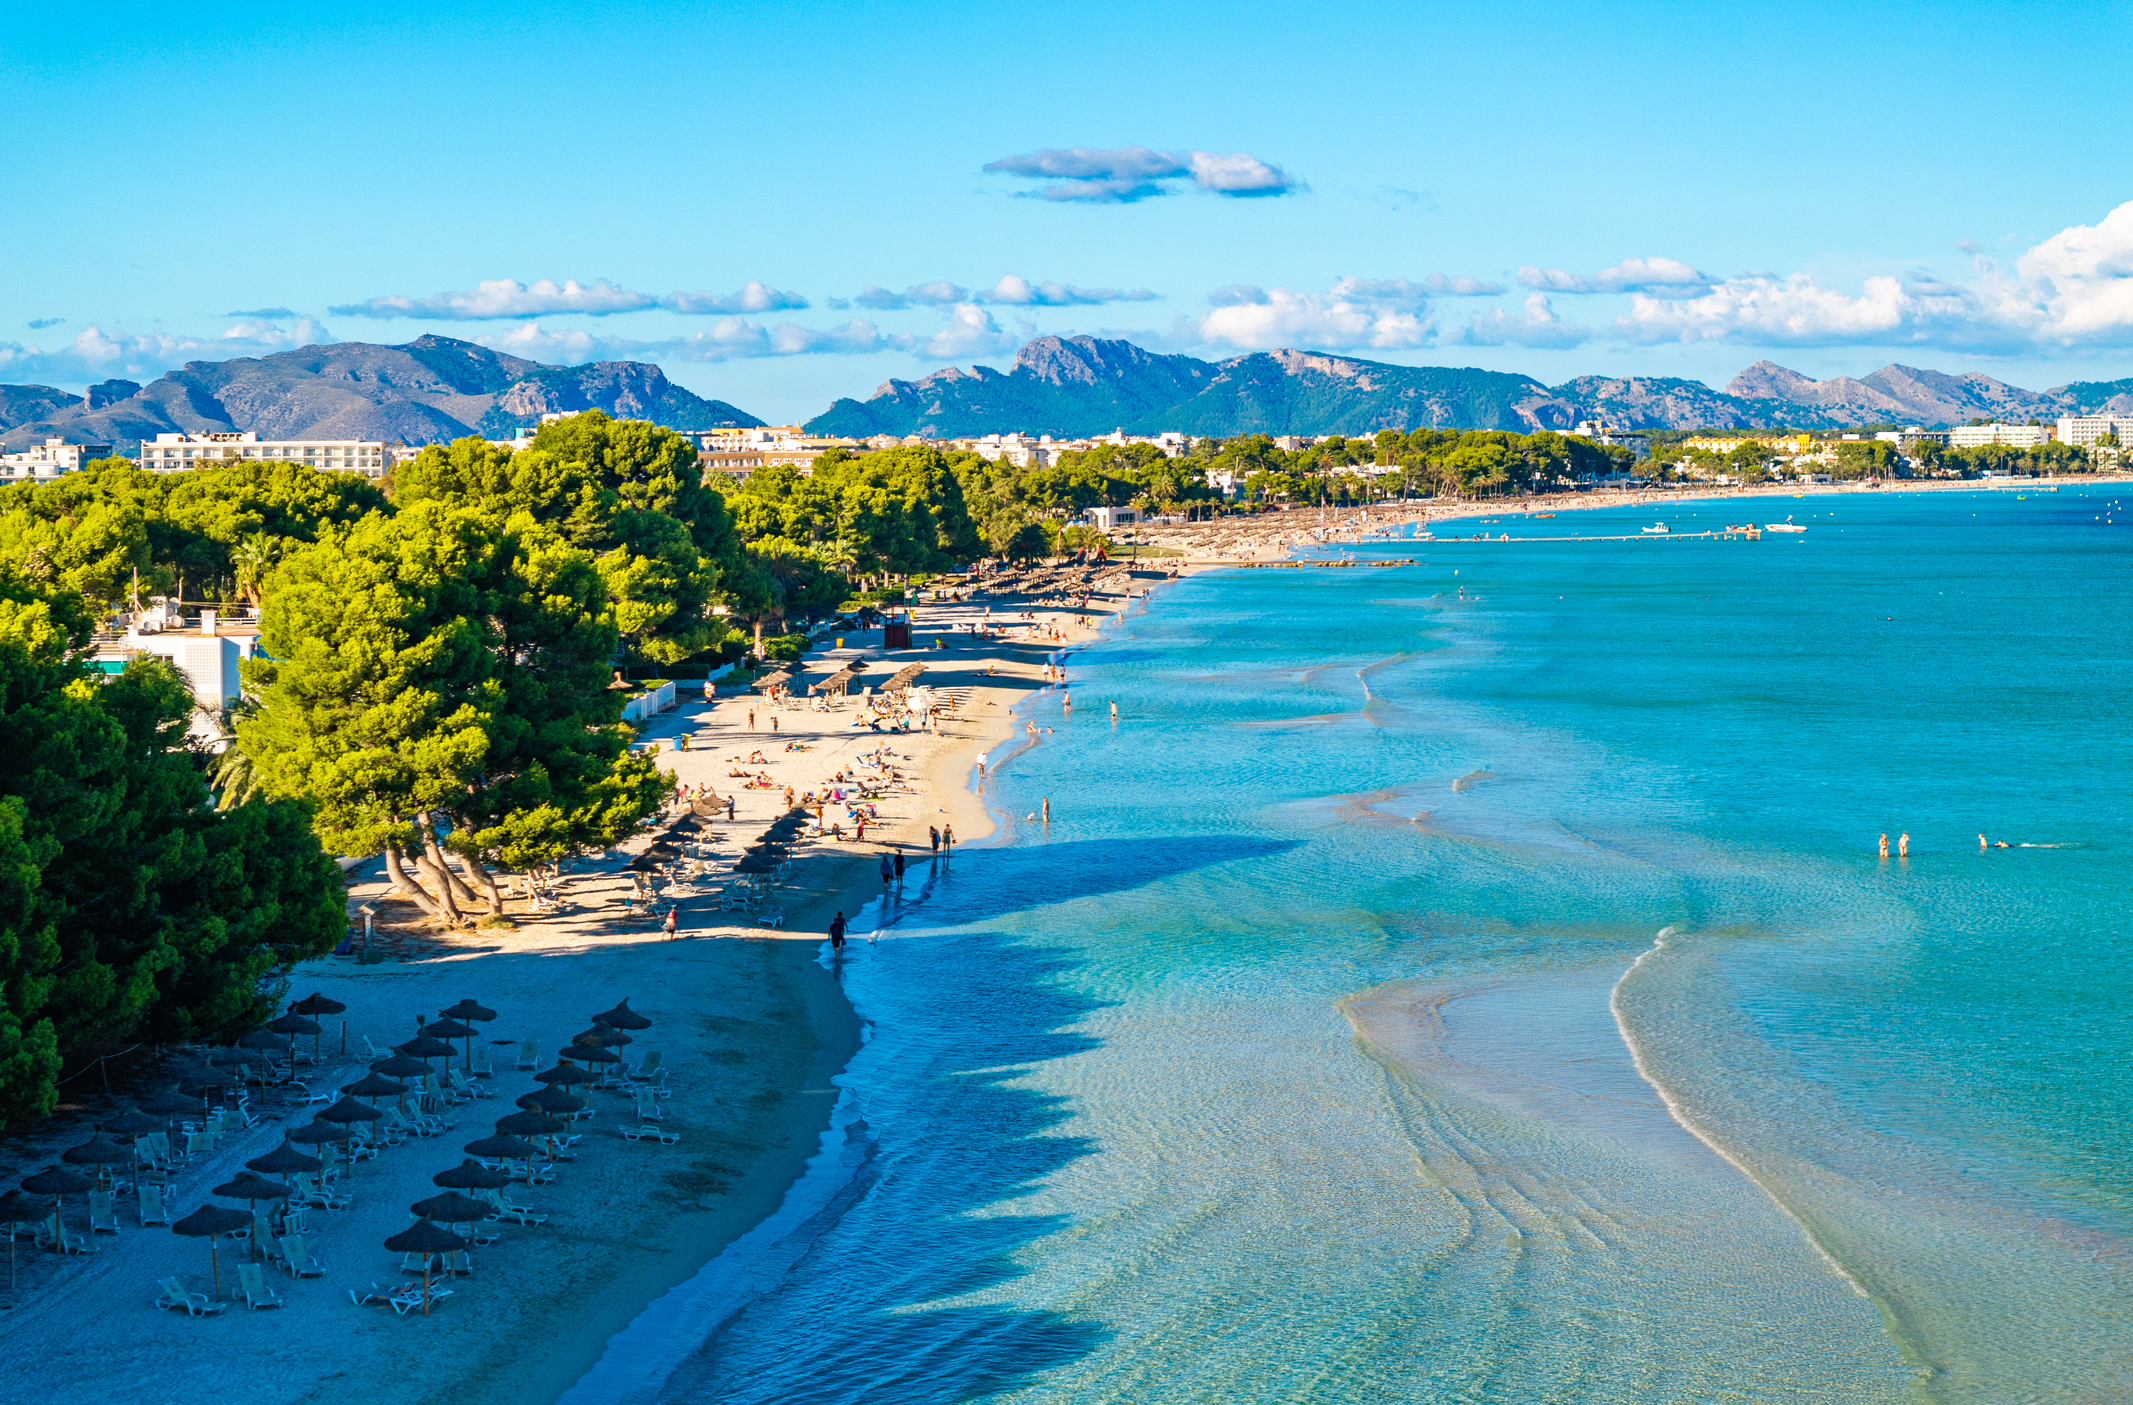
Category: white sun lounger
[195,1304]
[253,1281]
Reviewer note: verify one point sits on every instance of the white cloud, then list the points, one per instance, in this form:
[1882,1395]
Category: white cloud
[1381,314]
[499,299]
[1019,291]
[2075,286]
[728,339]
[1538,327]
[1122,175]
[1013,290]
[2070,291]
[1662,277]
[503,298]
[756,297]
[95,355]
[971,331]
[1239,173]
[1459,286]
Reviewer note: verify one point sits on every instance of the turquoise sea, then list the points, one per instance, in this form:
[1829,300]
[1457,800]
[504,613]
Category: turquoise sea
[1476,981]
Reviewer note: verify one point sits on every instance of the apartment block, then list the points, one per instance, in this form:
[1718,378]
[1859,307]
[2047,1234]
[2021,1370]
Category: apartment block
[174,453]
[2020,436]
[49,460]
[2084,430]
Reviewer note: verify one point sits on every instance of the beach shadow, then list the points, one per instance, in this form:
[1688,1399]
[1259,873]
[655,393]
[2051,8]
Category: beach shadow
[980,885]
[907,1292]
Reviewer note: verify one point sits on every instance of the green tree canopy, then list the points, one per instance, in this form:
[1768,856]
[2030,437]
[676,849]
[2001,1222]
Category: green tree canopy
[129,906]
[436,681]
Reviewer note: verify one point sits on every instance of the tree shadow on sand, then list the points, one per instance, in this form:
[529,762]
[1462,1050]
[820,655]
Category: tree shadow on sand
[878,1308]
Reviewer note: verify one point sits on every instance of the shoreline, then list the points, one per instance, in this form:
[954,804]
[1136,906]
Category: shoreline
[753,1029]
[1266,535]
[631,1361]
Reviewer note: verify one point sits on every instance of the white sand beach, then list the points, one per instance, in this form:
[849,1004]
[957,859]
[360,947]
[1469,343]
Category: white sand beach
[749,1026]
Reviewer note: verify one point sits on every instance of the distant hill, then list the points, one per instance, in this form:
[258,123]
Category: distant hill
[436,388]
[430,390]
[1079,386]
[1076,386]
[1898,393]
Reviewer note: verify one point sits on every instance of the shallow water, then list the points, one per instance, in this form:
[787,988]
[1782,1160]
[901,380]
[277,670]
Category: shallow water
[1281,1068]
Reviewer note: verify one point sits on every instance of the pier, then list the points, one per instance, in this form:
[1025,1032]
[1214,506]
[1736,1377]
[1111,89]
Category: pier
[1300,565]
[1750,534]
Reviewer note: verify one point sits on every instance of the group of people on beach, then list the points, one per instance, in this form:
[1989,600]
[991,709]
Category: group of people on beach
[893,863]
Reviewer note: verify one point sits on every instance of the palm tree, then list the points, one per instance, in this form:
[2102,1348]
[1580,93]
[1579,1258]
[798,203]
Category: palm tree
[252,559]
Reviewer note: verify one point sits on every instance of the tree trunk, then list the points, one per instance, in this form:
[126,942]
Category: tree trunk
[461,894]
[412,890]
[441,879]
[487,880]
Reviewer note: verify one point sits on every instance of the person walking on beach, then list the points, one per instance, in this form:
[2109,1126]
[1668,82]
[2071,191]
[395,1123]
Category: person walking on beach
[981,765]
[947,837]
[888,873]
[673,921]
[899,863]
[751,719]
[837,932]
[933,837]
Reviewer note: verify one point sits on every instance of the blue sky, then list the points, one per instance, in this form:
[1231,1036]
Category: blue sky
[784,204]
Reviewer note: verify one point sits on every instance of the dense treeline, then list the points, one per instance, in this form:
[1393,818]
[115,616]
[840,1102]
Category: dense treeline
[1851,460]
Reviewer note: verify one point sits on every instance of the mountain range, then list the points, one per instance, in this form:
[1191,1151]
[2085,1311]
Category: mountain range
[1080,386]
[437,388]
[430,390]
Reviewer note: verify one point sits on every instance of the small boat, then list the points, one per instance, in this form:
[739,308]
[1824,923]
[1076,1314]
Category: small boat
[1539,515]
[1788,525]
[1657,529]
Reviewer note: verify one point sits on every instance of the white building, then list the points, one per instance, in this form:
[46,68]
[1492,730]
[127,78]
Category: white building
[49,460]
[2084,430]
[1017,449]
[743,451]
[1607,436]
[1105,518]
[2020,436]
[206,652]
[172,453]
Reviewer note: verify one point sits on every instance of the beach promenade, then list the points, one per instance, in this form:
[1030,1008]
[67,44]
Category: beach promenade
[749,1024]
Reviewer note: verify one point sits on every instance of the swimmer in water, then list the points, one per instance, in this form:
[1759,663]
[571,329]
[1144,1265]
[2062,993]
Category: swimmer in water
[1884,846]
[1903,846]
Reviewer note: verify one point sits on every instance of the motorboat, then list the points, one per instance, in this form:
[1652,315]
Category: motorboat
[1788,525]
[1657,529]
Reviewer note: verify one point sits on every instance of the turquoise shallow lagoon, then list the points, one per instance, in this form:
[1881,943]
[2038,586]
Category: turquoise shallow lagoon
[1476,981]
